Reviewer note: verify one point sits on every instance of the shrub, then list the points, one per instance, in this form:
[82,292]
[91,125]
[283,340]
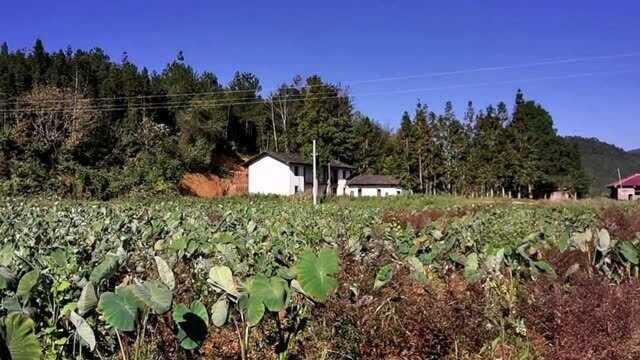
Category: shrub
[587,319]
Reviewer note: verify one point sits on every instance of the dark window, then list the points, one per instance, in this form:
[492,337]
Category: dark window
[398,192]
[379,192]
[295,171]
[296,189]
[359,192]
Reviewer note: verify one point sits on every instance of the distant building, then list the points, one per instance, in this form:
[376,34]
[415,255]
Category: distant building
[373,185]
[626,189]
[560,195]
[289,174]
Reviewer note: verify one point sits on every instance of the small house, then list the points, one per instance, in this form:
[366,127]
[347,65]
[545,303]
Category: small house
[288,174]
[560,195]
[373,185]
[626,189]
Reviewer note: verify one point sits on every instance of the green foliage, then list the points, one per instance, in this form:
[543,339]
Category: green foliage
[383,276]
[186,119]
[314,273]
[88,299]
[26,284]
[84,331]
[192,323]
[153,294]
[220,311]
[119,309]
[245,255]
[19,338]
[166,275]
[221,277]
[105,269]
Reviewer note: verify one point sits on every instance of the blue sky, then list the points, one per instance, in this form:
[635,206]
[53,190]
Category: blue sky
[355,41]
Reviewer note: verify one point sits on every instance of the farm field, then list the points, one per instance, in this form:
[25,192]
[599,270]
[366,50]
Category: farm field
[275,278]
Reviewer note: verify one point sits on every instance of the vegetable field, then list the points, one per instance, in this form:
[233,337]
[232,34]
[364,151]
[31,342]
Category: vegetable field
[275,278]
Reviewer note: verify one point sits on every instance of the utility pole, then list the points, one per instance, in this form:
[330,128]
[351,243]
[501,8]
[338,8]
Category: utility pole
[315,178]
[619,185]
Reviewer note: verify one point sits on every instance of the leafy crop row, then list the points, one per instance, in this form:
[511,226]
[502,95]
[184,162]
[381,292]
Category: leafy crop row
[88,279]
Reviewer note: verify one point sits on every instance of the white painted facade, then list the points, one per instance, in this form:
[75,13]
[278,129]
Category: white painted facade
[380,191]
[270,176]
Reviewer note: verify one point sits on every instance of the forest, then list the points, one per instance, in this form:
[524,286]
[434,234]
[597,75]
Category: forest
[79,124]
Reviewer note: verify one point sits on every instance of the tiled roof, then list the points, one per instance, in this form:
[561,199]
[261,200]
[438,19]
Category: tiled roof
[631,181]
[374,180]
[291,158]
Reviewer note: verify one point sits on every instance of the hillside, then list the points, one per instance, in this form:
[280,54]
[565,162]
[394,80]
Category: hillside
[601,161]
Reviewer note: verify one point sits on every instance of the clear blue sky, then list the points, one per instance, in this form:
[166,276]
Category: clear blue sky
[347,41]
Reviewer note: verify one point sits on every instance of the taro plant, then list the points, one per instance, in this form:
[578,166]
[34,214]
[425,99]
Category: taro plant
[17,338]
[260,296]
[122,308]
[193,323]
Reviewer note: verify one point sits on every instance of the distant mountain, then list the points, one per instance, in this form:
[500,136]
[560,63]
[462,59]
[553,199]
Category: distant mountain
[601,162]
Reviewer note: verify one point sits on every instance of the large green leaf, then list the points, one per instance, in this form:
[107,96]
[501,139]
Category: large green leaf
[88,299]
[254,310]
[166,275]
[155,295]
[192,323]
[581,240]
[629,252]
[418,272]
[7,277]
[105,269]
[220,311]
[27,282]
[7,254]
[20,339]
[471,268]
[119,310]
[604,241]
[314,273]
[383,276]
[221,277]
[84,331]
[545,267]
[272,292]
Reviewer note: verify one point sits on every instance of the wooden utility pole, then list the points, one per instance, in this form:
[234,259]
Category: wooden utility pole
[619,185]
[329,178]
[619,178]
[315,178]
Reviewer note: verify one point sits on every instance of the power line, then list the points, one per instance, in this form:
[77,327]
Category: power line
[366,81]
[503,67]
[212,104]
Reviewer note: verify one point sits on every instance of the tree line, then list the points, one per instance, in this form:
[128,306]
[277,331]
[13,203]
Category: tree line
[77,123]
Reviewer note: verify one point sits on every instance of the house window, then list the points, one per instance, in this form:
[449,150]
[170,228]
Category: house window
[359,192]
[296,172]
[379,192]
[398,192]
[296,189]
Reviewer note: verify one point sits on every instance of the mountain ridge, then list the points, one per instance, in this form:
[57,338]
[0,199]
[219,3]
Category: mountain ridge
[602,160]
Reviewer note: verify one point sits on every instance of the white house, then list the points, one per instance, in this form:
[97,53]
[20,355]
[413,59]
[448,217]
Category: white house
[373,185]
[288,174]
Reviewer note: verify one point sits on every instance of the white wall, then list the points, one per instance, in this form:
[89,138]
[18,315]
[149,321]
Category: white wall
[270,176]
[372,191]
[297,180]
[624,193]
